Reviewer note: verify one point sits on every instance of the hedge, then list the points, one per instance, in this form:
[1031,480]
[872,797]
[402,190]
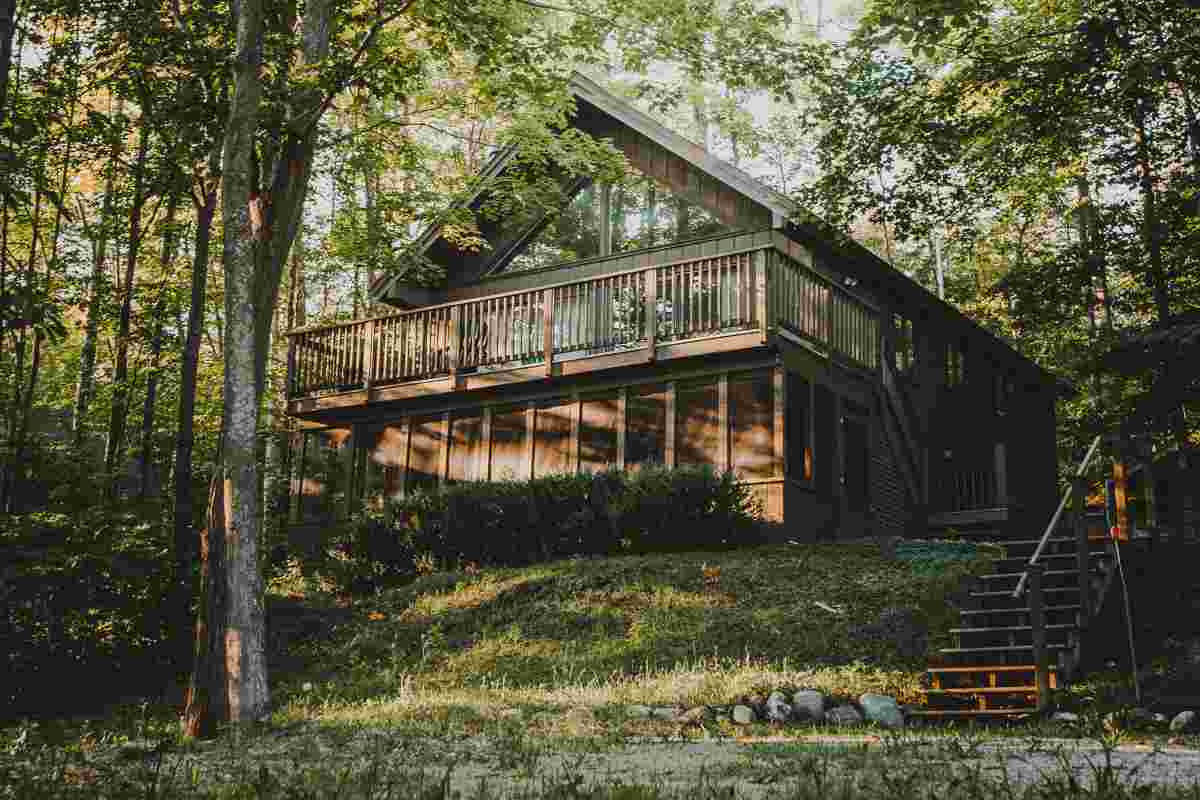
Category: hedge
[511,523]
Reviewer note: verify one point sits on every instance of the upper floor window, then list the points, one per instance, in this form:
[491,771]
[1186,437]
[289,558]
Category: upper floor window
[905,353]
[955,358]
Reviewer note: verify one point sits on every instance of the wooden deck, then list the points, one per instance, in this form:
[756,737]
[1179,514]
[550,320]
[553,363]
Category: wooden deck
[699,306]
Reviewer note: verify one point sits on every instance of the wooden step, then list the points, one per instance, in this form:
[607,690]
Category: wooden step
[997,668]
[1008,593]
[995,576]
[963,651]
[1012,628]
[985,690]
[1018,609]
[934,713]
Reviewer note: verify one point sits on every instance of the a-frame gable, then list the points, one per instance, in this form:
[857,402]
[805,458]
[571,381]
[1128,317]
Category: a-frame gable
[687,170]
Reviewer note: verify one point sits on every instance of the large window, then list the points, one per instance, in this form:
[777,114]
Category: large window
[386,459]
[323,474]
[552,439]
[598,433]
[752,425]
[697,423]
[905,355]
[646,426]
[955,358]
[799,410]
[509,461]
[466,448]
[599,220]
[425,453]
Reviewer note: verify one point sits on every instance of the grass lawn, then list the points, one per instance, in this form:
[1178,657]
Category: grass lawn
[520,679]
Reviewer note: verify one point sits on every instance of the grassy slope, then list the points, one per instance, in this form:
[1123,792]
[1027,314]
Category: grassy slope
[628,630]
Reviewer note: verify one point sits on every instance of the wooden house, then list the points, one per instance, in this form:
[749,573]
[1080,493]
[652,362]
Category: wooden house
[704,320]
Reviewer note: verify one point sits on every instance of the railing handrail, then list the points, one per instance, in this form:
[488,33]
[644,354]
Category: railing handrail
[813,272]
[540,288]
[1057,514]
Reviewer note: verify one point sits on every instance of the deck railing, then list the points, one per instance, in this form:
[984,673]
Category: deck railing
[687,300]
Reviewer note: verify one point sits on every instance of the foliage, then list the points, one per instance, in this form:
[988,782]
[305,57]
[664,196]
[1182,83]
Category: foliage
[83,606]
[524,522]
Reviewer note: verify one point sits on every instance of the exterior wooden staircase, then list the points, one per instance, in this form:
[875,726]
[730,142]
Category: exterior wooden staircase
[1024,624]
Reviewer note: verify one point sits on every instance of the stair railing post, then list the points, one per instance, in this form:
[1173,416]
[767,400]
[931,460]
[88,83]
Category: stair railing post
[1083,559]
[1037,622]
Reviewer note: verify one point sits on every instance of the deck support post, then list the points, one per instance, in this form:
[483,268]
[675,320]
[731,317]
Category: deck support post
[1082,555]
[1037,621]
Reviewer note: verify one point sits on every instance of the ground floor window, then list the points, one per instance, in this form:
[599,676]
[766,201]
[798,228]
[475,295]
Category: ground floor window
[752,425]
[646,426]
[799,415]
[697,423]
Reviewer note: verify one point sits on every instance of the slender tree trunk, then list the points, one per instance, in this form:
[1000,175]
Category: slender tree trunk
[184,517]
[120,401]
[207,701]
[1150,222]
[91,327]
[8,27]
[149,403]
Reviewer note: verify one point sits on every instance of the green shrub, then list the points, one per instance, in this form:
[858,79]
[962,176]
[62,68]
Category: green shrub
[512,523]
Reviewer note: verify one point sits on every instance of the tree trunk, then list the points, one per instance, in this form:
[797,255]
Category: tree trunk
[207,703]
[185,540]
[91,327]
[259,229]
[8,27]
[1150,223]
[120,401]
[166,260]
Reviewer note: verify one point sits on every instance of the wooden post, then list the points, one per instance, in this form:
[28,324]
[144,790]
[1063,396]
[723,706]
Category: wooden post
[548,329]
[780,444]
[576,424]
[1121,480]
[622,402]
[760,292]
[530,424]
[1083,558]
[723,455]
[669,445]
[291,368]
[406,438]
[1037,621]
[369,357]
[650,281]
[444,453]
[1000,460]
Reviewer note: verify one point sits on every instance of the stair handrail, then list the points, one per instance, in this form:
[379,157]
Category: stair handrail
[1057,514]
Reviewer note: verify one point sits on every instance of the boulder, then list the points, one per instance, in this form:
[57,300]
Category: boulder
[744,715]
[808,705]
[1064,716]
[1185,722]
[778,709]
[843,715]
[668,713]
[638,712]
[697,714]
[882,710]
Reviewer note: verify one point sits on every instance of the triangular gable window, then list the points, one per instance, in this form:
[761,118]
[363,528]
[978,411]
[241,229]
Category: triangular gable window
[641,212]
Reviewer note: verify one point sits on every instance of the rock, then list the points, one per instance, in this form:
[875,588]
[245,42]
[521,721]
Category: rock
[843,715]
[808,705]
[778,709]
[668,713]
[697,714]
[638,712]
[1185,722]
[755,700]
[1064,716]
[882,710]
[887,546]
[743,715]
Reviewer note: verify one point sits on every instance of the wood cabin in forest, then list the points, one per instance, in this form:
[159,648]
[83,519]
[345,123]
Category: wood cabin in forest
[700,321]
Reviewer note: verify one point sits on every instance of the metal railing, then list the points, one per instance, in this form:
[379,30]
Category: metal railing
[1073,487]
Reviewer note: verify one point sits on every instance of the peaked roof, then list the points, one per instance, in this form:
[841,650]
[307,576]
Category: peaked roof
[661,153]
